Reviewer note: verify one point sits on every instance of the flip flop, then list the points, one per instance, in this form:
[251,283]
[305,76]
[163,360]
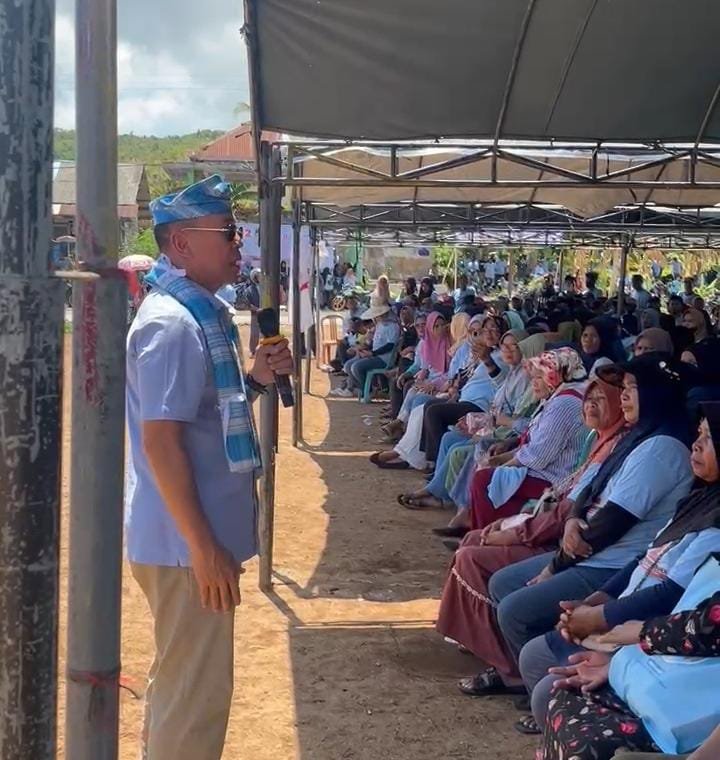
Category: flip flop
[527,726]
[487,684]
[416,502]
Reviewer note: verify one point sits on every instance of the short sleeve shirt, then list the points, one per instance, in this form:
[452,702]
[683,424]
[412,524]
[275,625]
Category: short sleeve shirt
[648,485]
[169,378]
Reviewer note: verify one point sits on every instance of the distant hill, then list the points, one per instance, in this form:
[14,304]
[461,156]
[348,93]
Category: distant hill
[151,151]
[143,150]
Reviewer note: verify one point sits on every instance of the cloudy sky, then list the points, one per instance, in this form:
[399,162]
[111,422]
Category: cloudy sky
[181,65]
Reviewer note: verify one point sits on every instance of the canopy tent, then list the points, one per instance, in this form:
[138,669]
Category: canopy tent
[598,70]
[630,89]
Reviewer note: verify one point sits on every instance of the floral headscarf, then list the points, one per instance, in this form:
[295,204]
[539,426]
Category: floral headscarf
[563,365]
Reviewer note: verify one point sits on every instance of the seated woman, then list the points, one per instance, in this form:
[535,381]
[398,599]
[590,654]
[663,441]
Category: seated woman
[466,612]
[511,403]
[600,343]
[475,383]
[614,516]
[434,368]
[653,339]
[546,453]
[646,587]
[409,364]
[591,714]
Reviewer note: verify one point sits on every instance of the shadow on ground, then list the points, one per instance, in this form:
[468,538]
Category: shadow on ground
[404,560]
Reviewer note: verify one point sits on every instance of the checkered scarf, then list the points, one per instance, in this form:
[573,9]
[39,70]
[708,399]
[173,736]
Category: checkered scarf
[241,440]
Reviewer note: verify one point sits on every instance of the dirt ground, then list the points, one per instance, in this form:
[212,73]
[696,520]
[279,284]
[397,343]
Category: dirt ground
[341,661]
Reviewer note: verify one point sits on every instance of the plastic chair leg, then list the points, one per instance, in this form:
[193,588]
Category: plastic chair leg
[365,396]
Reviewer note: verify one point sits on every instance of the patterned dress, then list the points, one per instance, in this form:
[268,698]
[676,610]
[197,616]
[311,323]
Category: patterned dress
[593,726]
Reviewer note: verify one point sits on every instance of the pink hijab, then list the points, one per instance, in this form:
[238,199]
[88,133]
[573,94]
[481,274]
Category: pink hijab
[434,350]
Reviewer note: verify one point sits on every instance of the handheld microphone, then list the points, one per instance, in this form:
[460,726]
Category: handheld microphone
[269,324]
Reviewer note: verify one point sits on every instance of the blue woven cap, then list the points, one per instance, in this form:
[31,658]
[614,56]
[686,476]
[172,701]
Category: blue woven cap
[209,196]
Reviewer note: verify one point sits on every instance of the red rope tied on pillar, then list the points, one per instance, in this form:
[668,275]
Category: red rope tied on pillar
[100,681]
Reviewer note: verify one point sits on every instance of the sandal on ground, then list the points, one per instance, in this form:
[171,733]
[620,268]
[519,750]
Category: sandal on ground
[375,458]
[527,726]
[410,501]
[487,684]
[457,531]
[399,465]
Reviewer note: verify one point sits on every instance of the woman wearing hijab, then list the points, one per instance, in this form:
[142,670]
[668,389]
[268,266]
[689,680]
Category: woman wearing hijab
[615,515]
[434,367]
[645,589]
[471,383]
[466,612]
[600,343]
[546,453]
[512,398]
[462,462]
[458,331]
[653,339]
[408,365]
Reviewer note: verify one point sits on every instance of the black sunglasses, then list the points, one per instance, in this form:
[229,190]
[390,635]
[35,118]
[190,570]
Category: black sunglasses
[231,231]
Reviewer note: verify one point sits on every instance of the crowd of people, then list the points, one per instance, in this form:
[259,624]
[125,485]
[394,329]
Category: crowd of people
[576,453]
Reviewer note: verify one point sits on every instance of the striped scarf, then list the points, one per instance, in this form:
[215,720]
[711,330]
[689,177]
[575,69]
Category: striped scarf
[241,441]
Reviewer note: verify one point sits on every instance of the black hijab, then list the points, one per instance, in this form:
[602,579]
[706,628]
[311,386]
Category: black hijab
[707,356]
[661,397]
[699,510]
[606,328]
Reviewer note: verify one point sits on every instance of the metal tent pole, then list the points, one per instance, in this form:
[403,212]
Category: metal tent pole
[624,251]
[297,334]
[31,320]
[318,292]
[98,419]
[510,272]
[270,222]
[561,262]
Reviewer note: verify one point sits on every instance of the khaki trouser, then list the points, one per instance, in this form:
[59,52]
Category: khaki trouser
[190,682]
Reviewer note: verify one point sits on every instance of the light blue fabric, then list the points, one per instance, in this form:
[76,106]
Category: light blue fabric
[241,442]
[459,360]
[514,320]
[209,196]
[480,389]
[451,440]
[504,484]
[460,491]
[386,332]
[678,562]
[228,294]
[676,697]
[169,377]
[649,485]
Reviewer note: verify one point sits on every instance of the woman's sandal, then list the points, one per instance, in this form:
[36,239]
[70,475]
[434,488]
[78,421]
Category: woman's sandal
[527,726]
[487,684]
[399,465]
[411,501]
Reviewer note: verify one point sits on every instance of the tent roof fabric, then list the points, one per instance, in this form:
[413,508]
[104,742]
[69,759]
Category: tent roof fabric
[580,70]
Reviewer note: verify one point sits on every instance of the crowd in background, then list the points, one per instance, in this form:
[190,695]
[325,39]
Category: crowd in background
[575,453]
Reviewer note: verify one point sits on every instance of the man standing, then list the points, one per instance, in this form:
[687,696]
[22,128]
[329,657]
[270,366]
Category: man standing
[638,293]
[463,290]
[194,456]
